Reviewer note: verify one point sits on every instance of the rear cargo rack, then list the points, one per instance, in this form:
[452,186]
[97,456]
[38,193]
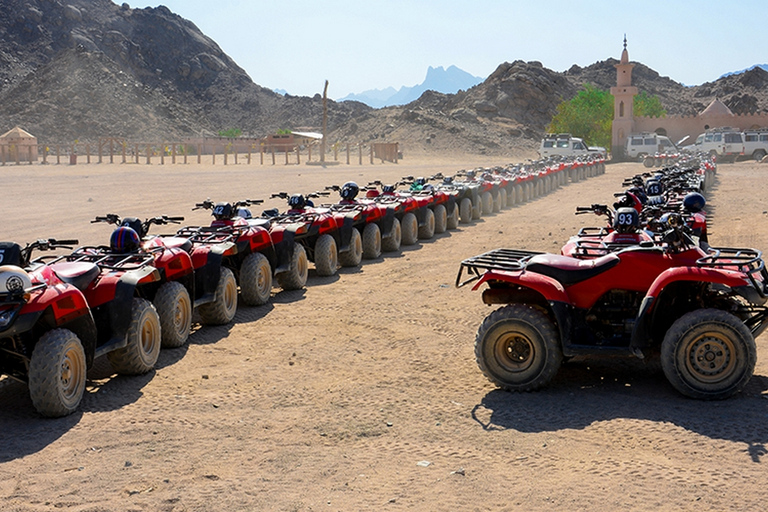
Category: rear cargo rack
[208,235]
[748,261]
[104,258]
[509,260]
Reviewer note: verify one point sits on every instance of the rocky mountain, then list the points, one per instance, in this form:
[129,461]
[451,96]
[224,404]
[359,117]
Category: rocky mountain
[84,69]
[439,79]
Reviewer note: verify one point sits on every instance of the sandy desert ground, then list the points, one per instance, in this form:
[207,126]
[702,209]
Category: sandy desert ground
[361,392]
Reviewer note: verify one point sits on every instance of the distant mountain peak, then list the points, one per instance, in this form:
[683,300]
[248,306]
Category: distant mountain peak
[444,80]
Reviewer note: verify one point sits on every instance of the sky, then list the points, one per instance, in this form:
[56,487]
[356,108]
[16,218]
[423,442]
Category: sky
[358,45]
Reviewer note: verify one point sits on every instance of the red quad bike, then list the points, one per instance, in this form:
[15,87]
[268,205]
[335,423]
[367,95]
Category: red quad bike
[416,219]
[377,224]
[700,312]
[60,314]
[325,237]
[171,294]
[441,202]
[235,249]
[45,327]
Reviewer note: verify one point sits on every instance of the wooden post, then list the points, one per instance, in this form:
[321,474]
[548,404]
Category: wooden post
[29,154]
[234,148]
[100,144]
[347,153]
[249,154]
[335,152]
[58,154]
[396,150]
[124,152]
[273,155]
[199,152]
[149,156]
[173,152]
[45,153]
[285,150]
[360,153]
[309,152]
[162,153]
[298,155]
[186,150]
[325,122]
[87,153]
[136,152]
[371,152]
[213,154]
[261,153]
[225,155]
[111,151]
[16,152]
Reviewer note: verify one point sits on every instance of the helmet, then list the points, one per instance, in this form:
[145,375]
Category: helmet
[14,280]
[388,189]
[124,240]
[420,181]
[448,180]
[638,193]
[134,224]
[470,174]
[349,191]
[694,202]
[223,211]
[297,202]
[626,220]
[653,187]
[244,213]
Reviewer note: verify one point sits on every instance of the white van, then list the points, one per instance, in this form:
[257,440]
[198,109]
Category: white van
[640,145]
[563,144]
[725,143]
[756,143]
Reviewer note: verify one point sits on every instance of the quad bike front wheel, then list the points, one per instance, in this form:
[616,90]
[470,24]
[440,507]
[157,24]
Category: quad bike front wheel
[453,219]
[326,256]
[144,340]
[487,200]
[427,231]
[441,219]
[224,306]
[57,371]
[371,241]
[465,210]
[517,348]
[174,307]
[296,276]
[392,242]
[354,255]
[255,280]
[708,354]
[410,227]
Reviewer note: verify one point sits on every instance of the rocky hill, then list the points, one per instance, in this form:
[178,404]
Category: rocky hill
[81,69]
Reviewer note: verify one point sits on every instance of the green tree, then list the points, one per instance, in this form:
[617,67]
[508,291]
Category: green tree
[648,106]
[588,115]
[231,133]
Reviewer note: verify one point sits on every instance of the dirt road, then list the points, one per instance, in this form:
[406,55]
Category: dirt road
[361,392]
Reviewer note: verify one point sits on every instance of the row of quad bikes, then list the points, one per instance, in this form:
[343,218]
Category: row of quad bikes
[126,300]
[646,284]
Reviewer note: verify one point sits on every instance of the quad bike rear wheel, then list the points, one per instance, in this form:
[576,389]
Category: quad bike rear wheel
[392,242]
[144,341]
[174,307]
[497,202]
[354,255]
[326,256]
[224,306]
[708,354]
[371,241]
[477,209]
[503,198]
[427,231]
[255,280]
[487,200]
[57,373]
[410,229]
[453,219]
[465,210]
[296,276]
[517,348]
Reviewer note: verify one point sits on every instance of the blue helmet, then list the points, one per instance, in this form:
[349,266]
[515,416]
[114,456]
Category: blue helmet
[297,202]
[124,240]
[694,202]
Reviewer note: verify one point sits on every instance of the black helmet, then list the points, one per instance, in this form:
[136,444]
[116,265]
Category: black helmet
[388,189]
[626,220]
[134,224]
[297,202]
[223,211]
[124,240]
[653,187]
[349,191]
[694,202]
[420,181]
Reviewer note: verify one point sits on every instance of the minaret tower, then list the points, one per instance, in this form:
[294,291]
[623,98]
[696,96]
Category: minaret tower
[623,96]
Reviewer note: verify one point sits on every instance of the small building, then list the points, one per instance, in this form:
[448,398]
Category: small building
[289,141]
[18,145]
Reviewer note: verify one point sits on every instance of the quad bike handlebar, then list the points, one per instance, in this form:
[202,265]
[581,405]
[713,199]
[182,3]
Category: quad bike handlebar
[45,244]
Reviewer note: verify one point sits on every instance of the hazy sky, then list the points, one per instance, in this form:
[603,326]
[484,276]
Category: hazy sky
[358,45]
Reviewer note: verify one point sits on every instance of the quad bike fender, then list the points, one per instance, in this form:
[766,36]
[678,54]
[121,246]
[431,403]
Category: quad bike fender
[450,204]
[421,215]
[207,275]
[387,222]
[119,308]
[174,263]
[345,233]
[284,251]
[258,240]
[549,289]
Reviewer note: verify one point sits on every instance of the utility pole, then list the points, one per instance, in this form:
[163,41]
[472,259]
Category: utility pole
[325,122]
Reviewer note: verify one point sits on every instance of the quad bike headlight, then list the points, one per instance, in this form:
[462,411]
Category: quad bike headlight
[6,317]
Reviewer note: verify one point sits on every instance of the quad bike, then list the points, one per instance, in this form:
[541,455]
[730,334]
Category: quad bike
[700,312]
[58,314]
[441,202]
[171,295]
[377,223]
[325,237]
[482,193]
[464,196]
[416,219]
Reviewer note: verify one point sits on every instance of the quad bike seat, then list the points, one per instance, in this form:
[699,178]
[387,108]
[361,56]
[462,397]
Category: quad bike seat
[185,244]
[569,270]
[77,273]
[260,222]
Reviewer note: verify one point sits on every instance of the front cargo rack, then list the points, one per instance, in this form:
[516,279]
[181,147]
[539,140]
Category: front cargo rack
[510,260]
[747,261]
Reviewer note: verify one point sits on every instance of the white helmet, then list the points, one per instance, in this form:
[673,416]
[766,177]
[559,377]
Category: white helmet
[13,280]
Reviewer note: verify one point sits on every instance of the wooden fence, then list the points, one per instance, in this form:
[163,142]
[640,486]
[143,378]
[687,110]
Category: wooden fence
[111,150]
